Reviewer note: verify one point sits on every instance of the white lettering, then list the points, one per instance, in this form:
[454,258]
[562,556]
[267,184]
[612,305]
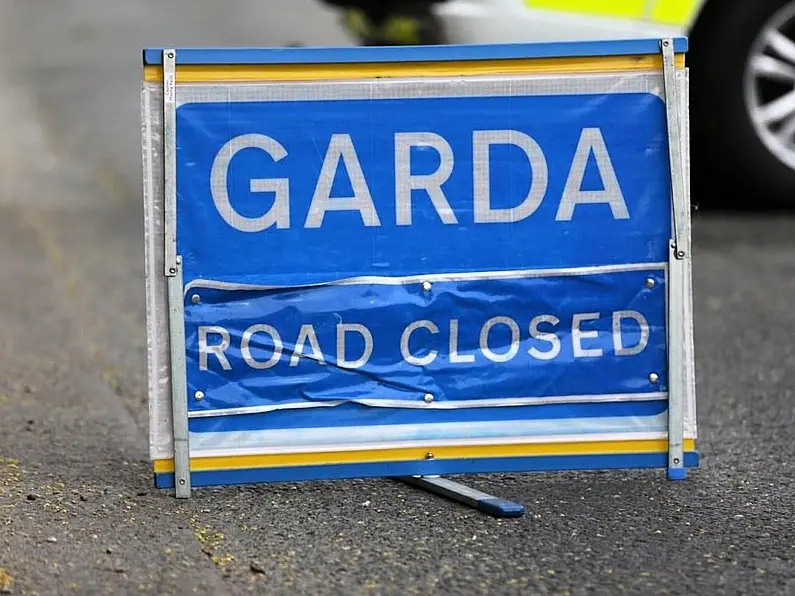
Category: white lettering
[455,357]
[216,350]
[406,337]
[591,140]
[341,147]
[307,333]
[279,213]
[405,181]
[617,340]
[513,349]
[342,329]
[546,341]
[577,335]
[341,152]
[246,350]
[482,141]
[548,337]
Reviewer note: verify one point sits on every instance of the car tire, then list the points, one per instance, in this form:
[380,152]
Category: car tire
[732,161]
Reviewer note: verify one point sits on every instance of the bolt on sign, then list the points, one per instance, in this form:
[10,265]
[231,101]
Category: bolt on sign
[417,261]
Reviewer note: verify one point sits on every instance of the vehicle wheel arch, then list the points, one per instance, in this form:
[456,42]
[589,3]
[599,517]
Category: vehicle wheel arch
[704,22]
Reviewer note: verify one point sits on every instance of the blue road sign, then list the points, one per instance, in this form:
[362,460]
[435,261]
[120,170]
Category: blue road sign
[426,261]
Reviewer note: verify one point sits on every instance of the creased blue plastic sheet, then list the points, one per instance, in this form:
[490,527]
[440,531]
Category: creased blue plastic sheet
[448,343]
[310,215]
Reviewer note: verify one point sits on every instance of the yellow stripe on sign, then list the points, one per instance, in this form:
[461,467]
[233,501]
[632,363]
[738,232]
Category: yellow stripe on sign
[279,460]
[675,12]
[624,9]
[337,72]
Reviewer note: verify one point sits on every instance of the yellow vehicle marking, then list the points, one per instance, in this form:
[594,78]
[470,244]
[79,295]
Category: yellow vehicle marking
[668,12]
[626,9]
[674,12]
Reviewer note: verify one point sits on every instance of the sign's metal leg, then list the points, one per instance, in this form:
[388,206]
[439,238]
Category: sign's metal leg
[679,255]
[173,272]
[461,493]
[179,389]
[676,367]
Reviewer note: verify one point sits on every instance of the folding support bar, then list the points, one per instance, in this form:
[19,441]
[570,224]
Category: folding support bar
[679,252]
[173,272]
[461,493]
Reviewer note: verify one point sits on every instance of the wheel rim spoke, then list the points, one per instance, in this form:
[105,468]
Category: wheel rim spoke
[782,45]
[778,109]
[786,133]
[773,68]
[769,85]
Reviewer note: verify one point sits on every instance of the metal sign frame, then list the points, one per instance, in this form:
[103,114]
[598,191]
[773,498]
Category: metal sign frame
[680,349]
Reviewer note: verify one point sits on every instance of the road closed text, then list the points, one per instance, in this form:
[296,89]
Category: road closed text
[423,342]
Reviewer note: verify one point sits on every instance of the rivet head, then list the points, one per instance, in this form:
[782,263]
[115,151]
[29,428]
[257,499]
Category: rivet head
[429,455]
[654,377]
[428,398]
[172,269]
[426,286]
[182,481]
[195,299]
[681,254]
[650,283]
[676,461]
[199,395]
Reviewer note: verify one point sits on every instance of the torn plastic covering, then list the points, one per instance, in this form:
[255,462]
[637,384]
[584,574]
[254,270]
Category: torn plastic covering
[344,246]
[157,331]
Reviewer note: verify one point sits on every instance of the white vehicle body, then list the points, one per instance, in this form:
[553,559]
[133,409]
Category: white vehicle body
[499,21]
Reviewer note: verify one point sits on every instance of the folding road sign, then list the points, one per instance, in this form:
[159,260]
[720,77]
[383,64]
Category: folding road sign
[417,261]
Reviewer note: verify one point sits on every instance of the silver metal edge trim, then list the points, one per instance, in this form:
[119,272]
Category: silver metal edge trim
[438,277]
[678,251]
[475,403]
[173,271]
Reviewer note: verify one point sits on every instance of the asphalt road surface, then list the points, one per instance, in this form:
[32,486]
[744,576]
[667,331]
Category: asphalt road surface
[78,513]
